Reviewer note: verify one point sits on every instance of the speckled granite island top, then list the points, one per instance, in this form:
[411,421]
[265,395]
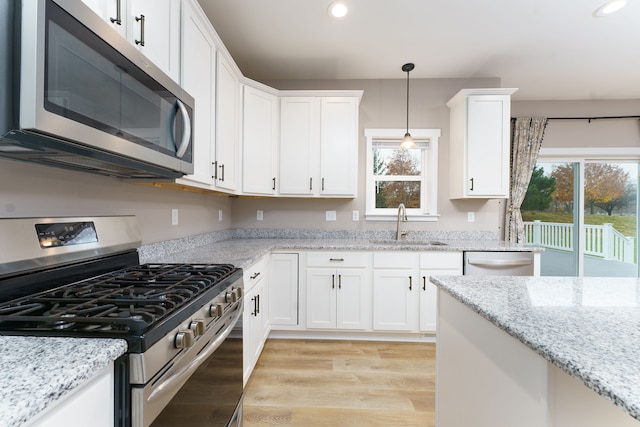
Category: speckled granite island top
[589,328]
[37,371]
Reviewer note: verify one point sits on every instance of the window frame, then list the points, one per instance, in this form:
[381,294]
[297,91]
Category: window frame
[428,138]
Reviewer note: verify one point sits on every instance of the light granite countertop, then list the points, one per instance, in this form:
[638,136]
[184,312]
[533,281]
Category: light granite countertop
[38,371]
[588,327]
[243,252]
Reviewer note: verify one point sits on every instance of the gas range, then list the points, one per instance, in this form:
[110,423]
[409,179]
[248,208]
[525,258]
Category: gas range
[80,277]
[140,304]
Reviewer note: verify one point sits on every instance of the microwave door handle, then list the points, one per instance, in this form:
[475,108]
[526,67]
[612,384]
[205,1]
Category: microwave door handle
[186,132]
[170,383]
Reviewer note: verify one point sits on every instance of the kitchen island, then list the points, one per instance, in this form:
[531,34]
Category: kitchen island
[538,351]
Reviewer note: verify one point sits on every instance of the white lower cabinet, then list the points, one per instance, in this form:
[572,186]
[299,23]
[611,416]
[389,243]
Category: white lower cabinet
[395,291]
[434,264]
[338,290]
[255,318]
[90,404]
[404,299]
[283,289]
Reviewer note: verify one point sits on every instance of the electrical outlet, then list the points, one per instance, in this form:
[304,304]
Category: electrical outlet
[259,215]
[331,215]
[471,216]
[174,216]
[355,216]
[219,214]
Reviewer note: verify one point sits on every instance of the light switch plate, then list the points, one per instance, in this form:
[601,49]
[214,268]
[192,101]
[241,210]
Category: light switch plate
[259,215]
[471,216]
[219,214]
[355,216]
[331,215]
[174,216]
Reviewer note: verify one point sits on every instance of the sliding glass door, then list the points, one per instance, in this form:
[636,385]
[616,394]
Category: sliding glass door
[585,215]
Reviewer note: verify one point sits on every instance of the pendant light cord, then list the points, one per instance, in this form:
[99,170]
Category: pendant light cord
[408,101]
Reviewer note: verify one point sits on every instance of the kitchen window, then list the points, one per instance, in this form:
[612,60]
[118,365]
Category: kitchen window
[397,176]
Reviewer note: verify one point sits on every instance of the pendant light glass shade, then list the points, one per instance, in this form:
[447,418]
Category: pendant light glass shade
[407,141]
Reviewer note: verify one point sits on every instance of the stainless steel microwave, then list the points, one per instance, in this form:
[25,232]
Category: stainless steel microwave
[77,95]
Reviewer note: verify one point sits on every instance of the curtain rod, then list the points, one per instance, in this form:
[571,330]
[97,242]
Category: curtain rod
[591,118]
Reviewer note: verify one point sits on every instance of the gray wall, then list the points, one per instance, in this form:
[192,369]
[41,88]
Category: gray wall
[31,190]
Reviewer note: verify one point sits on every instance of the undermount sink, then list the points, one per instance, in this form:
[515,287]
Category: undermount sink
[409,242]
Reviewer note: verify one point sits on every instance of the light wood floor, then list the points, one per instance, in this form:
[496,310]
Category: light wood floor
[310,383]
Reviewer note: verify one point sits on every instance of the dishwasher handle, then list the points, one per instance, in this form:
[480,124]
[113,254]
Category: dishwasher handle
[499,262]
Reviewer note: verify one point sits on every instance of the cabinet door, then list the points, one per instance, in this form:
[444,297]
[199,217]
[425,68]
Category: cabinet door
[321,298]
[395,300]
[260,137]
[353,305]
[299,145]
[108,11]
[338,146]
[428,299]
[434,264]
[283,289]
[488,145]
[227,101]
[250,331]
[198,77]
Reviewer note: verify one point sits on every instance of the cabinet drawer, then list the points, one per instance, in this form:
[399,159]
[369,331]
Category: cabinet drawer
[255,273]
[395,260]
[441,260]
[338,259]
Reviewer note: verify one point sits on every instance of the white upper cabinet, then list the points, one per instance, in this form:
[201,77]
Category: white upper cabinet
[152,26]
[299,145]
[227,126]
[339,146]
[198,79]
[480,143]
[319,145]
[260,125]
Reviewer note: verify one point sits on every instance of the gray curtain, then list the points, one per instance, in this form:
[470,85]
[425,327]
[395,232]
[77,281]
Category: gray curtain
[526,138]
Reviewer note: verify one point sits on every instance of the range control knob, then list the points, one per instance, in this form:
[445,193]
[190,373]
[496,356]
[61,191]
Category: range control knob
[238,292]
[198,326]
[216,310]
[185,339]
[231,296]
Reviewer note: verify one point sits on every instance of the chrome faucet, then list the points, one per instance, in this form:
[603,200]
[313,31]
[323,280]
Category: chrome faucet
[402,217]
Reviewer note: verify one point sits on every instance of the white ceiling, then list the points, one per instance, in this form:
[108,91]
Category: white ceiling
[549,49]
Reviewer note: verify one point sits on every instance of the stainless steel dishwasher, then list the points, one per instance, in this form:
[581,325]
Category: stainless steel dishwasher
[498,264]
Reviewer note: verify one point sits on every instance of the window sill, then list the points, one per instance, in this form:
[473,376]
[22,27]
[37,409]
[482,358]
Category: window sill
[394,217]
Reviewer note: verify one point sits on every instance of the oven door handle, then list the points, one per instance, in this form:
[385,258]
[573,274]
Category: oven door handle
[167,385]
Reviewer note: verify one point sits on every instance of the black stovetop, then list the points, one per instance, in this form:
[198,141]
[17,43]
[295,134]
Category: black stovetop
[139,303]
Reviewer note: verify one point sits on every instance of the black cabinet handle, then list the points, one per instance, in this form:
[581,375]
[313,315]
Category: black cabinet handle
[215,170]
[336,259]
[322,184]
[222,173]
[333,281]
[311,184]
[471,189]
[258,304]
[410,283]
[424,283]
[118,19]
[141,20]
[274,184]
[339,281]
[253,276]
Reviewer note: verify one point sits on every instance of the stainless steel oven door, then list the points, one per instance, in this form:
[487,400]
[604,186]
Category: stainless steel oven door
[207,383]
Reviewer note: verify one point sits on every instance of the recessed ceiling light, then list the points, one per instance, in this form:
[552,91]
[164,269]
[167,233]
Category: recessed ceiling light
[610,7]
[338,9]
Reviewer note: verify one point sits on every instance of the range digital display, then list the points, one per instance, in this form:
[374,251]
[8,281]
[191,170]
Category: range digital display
[66,234]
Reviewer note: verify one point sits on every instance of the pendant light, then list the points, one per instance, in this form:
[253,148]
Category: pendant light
[407,141]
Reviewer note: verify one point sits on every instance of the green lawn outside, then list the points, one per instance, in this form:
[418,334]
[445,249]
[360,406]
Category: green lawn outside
[624,224]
